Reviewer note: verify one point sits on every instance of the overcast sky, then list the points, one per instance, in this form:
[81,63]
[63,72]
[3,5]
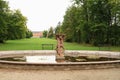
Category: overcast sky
[41,14]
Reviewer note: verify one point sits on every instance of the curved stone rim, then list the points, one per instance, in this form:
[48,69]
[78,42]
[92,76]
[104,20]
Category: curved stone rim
[58,66]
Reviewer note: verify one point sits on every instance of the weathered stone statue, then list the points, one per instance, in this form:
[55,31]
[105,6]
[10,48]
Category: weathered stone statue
[60,46]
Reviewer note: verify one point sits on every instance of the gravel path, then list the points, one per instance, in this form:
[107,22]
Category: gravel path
[102,74]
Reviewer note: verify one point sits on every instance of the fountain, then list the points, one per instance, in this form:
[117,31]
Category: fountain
[4,63]
[59,59]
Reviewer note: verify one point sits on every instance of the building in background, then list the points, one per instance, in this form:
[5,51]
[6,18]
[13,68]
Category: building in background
[37,34]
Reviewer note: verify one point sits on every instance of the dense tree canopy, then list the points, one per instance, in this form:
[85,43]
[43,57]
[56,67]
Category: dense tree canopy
[93,21]
[16,25]
[3,17]
[12,23]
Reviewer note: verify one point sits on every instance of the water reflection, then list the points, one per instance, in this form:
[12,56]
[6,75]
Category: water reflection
[41,59]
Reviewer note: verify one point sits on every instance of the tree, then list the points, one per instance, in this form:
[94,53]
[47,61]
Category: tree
[114,29]
[93,21]
[16,25]
[45,33]
[12,23]
[71,23]
[29,33]
[3,17]
[98,34]
[58,29]
[51,33]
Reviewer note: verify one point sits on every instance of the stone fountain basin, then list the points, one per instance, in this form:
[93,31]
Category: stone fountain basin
[62,65]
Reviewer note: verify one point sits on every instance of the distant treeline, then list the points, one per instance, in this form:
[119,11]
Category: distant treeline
[12,24]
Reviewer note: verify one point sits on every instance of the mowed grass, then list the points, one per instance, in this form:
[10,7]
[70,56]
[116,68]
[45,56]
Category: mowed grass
[26,44]
[36,44]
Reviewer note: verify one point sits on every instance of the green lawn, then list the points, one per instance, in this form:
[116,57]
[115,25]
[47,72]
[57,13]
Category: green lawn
[35,44]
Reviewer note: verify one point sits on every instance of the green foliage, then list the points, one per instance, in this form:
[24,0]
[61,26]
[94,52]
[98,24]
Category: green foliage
[29,34]
[114,35]
[98,34]
[17,25]
[45,33]
[50,33]
[58,29]
[93,21]
[12,23]
[86,32]
[71,23]
[3,16]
